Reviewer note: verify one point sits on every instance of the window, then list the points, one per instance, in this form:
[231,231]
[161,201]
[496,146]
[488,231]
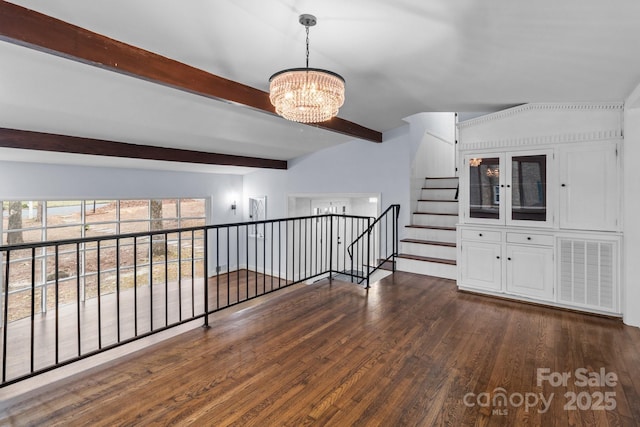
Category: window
[39,221]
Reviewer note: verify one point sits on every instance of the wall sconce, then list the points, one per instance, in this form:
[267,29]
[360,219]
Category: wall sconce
[234,207]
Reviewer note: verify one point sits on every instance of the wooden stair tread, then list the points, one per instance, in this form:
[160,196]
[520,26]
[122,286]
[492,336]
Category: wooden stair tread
[441,177]
[431,227]
[439,188]
[429,242]
[435,213]
[428,259]
[436,200]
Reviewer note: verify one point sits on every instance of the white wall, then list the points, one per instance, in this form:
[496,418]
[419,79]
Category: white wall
[631,208]
[356,167]
[31,181]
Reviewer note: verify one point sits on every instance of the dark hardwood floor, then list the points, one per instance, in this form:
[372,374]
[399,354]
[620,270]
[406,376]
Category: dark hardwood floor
[410,351]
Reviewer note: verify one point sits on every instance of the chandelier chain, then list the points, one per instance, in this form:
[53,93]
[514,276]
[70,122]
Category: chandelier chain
[307,28]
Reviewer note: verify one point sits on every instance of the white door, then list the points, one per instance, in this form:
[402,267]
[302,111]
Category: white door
[481,265]
[530,271]
[589,187]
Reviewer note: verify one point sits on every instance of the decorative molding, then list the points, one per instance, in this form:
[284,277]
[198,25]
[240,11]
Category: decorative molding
[616,106]
[613,134]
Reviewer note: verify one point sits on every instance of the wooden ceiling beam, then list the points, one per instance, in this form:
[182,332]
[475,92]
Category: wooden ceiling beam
[25,27]
[30,140]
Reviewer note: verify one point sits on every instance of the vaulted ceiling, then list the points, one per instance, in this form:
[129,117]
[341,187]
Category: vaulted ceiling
[398,58]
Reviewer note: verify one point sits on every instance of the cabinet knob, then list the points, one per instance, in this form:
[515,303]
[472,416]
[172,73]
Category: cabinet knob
[508,186]
[497,257]
[480,234]
[509,259]
[528,238]
[563,185]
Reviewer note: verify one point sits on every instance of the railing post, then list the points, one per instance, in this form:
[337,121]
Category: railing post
[206,278]
[331,250]
[395,236]
[368,264]
[5,317]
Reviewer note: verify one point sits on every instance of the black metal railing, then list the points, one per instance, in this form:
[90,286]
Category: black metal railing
[66,300]
[375,247]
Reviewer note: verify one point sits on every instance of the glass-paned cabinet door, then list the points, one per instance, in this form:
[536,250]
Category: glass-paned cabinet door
[508,188]
[528,188]
[484,188]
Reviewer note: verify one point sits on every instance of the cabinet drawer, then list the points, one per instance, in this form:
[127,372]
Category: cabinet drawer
[534,239]
[483,235]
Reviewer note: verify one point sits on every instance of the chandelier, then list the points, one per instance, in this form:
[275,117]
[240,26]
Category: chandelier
[493,173]
[306,95]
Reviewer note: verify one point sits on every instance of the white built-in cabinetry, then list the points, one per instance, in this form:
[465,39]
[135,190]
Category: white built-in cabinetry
[540,205]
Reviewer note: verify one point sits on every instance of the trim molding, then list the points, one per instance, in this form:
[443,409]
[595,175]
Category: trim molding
[616,106]
[30,140]
[613,134]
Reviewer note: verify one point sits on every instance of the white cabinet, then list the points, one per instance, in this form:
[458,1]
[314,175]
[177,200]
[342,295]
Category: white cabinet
[510,262]
[481,265]
[546,180]
[507,188]
[530,271]
[589,186]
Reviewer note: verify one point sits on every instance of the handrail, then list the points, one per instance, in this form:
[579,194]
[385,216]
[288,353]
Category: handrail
[368,230]
[383,244]
[105,279]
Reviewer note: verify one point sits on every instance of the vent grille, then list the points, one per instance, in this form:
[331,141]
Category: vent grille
[587,273]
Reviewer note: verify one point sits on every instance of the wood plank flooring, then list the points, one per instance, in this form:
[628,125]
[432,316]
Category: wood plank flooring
[410,351]
[171,305]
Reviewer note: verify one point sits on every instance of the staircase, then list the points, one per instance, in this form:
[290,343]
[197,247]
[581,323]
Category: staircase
[430,245]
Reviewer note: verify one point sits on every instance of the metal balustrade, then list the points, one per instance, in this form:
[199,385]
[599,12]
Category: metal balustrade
[103,292]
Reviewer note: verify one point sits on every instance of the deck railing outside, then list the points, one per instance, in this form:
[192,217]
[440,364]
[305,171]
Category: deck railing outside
[66,300]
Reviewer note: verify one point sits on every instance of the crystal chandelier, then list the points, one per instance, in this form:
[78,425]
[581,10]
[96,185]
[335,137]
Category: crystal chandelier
[306,95]
[475,162]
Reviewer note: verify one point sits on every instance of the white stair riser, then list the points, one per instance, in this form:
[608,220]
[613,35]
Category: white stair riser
[430,234]
[446,271]
[435,220]
[438,207]
[441,183]
[432,251]
[437,194]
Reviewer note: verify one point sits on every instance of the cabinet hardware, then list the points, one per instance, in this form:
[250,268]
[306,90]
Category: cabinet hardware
[480,234]
[497,257]
[528,238]
[508,259]
[563,185]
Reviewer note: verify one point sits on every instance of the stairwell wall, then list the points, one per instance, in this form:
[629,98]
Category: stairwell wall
[432,143]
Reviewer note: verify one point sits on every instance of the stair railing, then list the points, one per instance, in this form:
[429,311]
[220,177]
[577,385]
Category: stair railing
[379,242]
[109,290]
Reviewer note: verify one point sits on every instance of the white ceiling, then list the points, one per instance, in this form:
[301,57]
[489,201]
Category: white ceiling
[398,58]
